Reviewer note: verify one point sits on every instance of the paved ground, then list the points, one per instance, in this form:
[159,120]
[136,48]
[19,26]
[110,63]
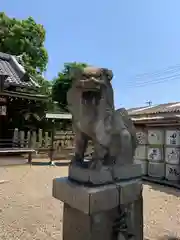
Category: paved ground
[28,211]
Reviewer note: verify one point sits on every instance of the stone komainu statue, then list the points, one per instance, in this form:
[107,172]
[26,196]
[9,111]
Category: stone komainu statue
[91,103]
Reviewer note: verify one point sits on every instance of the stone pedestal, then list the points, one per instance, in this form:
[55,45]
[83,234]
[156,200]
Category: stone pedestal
[105,175]
[108,212]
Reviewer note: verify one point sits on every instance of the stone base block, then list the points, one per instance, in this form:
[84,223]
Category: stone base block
[95,199]
[80,226]
[101,212]
[103,225]
[105,174]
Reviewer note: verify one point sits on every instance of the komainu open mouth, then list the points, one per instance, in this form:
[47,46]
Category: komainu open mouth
[91,97]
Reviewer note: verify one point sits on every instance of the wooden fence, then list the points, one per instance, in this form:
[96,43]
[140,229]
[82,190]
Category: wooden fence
[59,144]
[40,139]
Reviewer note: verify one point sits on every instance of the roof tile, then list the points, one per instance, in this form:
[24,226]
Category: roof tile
[14,77]
[161,108]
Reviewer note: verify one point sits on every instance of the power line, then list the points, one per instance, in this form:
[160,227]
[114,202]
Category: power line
[177,66]
[156,75]
[154,82]
[165,74]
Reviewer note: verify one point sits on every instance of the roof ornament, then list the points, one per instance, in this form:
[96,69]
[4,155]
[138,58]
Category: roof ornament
[19,58]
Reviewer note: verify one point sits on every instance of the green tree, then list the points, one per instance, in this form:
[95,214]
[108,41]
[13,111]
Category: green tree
[62,83]
[46,86]
[25,38]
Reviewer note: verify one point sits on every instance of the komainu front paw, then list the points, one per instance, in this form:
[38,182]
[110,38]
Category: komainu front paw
[95,164]
[77,160]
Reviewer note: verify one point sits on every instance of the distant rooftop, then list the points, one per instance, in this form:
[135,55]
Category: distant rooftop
[16,73]
[172,107]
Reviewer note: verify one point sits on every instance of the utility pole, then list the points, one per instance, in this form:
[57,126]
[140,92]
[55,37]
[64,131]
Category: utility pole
[149,102]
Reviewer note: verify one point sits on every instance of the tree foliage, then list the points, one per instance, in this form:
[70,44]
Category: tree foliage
[26,38]
[62,83]
[45,85]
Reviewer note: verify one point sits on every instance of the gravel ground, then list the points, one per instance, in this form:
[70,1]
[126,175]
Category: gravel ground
[28,211]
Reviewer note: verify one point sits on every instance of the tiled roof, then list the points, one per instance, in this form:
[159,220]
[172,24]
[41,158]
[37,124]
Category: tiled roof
[154,109]
[15,71]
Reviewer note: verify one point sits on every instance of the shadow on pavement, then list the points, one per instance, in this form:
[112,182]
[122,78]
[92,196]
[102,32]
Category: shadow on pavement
[40,164]
[54,163]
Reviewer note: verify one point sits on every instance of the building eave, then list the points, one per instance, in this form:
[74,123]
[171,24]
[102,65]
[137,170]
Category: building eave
[30,96]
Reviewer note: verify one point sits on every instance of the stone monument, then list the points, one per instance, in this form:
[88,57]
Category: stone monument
[102,196]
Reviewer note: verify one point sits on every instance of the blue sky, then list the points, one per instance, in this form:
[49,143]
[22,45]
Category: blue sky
[130,37]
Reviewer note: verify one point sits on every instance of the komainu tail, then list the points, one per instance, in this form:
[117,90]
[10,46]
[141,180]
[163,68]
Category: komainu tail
[129,125]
